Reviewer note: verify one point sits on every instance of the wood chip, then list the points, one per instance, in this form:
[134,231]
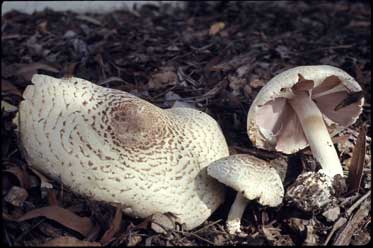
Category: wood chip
[16,196]
[162,223]
[216,28]
[162,79]
[332,214]
[257,83]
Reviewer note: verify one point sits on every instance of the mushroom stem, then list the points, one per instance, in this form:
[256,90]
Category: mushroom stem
[316,133]
[235,214]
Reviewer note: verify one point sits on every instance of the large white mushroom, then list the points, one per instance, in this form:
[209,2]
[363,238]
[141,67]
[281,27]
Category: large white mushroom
[253,179]
[115,147]
[305,106]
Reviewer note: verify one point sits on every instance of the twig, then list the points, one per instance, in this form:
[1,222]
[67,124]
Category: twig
[202,228]
[338,224]
[20,237]
[12,153]
[342,220]
[349,199]
[357,203]
[195,235]
[344,237]
[326,48]
[164,93]
[209,225]
[7,236]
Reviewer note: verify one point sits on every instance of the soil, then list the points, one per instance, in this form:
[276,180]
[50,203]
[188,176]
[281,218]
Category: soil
[215,56]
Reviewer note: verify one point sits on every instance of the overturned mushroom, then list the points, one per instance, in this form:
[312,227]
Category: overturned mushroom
[115,147]
[303,106]
[252,178]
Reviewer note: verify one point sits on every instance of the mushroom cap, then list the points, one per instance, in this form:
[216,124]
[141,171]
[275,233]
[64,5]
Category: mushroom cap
[253,177]
[115,147]
[273,125]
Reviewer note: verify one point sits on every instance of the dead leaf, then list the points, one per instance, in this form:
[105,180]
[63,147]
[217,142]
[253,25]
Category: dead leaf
[52,198]
[16,196]
[69,241]
[162,79]
[44,182]
[8,87]
[114,227]
[357,162]
[21,175]
[28,70]
[302,84]
[216,28]
[65,217]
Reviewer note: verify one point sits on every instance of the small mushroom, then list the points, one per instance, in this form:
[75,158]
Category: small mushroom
[301,107]
[252,178]
[112,146]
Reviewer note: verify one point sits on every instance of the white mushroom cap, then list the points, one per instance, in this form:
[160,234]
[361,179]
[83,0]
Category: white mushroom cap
[115,147]
[251,176]
[272,124]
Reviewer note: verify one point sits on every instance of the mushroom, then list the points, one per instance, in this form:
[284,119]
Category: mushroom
[112,146]
[302,106]
[252,178]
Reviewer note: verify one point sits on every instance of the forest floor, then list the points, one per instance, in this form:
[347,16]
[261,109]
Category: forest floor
[214,56]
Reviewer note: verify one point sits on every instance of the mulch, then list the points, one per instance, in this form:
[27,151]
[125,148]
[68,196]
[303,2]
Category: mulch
[213,56]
